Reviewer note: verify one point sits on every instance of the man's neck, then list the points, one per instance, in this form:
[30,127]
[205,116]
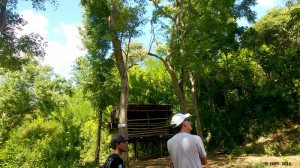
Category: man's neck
[117,152]
[184,131]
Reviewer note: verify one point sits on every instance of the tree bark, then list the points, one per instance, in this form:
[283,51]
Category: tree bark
[122,69]
[98,142]
[123,112]
[176,30]
[194,105]
[2,15]
[180,94]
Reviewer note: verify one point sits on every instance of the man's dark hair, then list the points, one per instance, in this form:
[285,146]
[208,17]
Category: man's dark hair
[177,129]
[114,146]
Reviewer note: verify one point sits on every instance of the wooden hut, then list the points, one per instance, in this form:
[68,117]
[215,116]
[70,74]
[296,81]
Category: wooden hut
[149,125]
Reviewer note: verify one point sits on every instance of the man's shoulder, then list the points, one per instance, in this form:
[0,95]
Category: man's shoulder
[196,137]
[170,140]
[191,137]
[113,160]
[114,157]
[183,135]
[180,136]
[188,135]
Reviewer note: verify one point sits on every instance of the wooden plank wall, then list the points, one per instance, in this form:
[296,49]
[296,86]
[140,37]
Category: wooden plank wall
[148,120]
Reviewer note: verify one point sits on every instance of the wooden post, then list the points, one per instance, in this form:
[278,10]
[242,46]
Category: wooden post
[135,150]
[146,147]
[152,147]
[160,141]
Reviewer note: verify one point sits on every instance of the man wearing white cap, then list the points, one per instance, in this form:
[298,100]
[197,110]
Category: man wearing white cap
[186,150]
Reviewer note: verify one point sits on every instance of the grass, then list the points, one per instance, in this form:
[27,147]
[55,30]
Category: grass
[285,141]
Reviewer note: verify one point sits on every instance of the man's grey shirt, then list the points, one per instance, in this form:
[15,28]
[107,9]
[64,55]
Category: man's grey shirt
[186,150]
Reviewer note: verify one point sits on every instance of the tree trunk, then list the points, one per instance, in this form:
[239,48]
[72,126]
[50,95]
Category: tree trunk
[98,142]
[2,15]
[123,113]
[122,69]
[227,105]
[180,94]
[194,105]
[124,93]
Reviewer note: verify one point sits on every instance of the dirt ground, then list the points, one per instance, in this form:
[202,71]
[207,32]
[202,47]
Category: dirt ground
[287,135]
[220,161]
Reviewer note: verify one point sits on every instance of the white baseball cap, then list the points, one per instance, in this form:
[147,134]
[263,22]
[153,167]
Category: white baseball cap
[178,118]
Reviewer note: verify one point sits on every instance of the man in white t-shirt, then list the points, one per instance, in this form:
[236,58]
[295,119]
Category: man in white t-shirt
[186,150]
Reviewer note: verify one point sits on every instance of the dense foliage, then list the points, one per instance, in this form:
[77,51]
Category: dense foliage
[250,91]
[247,84]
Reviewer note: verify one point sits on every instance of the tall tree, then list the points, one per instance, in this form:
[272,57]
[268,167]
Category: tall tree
[189,38]
[253,86]
[275,43]
[98,81]
[116,22]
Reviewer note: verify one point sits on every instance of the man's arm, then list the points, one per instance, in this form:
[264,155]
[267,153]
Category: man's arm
[171,165]
[202,152]
[203,160]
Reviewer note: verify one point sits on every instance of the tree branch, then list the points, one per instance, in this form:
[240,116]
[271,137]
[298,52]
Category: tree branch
[152,39]
[156,56]
[160,9]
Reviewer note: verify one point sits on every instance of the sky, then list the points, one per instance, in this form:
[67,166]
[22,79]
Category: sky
[59,28]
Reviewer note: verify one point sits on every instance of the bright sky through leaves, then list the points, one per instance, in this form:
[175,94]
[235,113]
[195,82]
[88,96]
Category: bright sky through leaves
[59,29]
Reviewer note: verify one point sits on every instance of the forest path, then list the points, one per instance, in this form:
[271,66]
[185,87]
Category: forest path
[221,161]
[285,139]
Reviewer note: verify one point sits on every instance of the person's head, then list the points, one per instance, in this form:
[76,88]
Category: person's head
[180,123]
[120,143]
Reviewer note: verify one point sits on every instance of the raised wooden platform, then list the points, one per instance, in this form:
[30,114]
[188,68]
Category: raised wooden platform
[148,121]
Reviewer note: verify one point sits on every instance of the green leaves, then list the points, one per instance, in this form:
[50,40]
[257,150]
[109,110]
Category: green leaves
[34,90]
[14,46]
[98,80]
[42,143]
[151,84]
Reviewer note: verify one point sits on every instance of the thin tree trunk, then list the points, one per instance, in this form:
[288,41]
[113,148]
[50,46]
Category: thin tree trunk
[123,113]
[180,94]
[227,106]
[2,15]
[98,142]
[194,105]
[178,30]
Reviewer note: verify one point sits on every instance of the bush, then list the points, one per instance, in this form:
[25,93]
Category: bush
[41,143]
